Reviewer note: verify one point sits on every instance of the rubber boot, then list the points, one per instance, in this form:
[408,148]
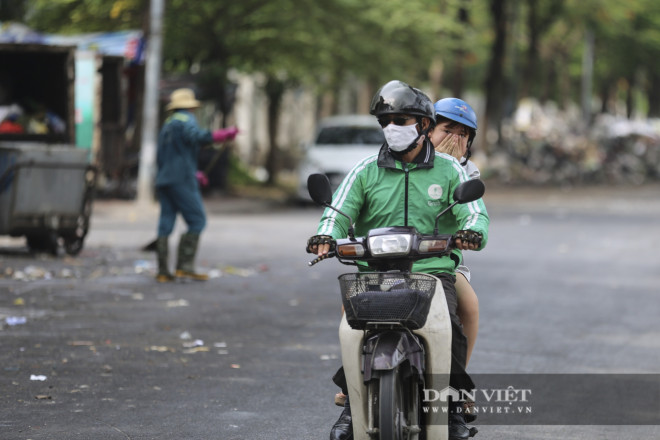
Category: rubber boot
[162,249]
[185,266]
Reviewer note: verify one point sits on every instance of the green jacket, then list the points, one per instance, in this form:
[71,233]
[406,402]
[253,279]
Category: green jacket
[381,191]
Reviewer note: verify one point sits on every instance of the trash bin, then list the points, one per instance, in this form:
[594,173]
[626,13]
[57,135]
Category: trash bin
[46,195]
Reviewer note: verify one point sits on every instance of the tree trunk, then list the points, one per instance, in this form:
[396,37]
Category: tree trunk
[532,58]
[587,75]
[274,91]
[495,80]
[604,93]
[654,95]
[630,102]
[459,56]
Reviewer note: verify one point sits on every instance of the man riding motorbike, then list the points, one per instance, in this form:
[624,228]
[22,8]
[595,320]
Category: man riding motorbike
[407,184]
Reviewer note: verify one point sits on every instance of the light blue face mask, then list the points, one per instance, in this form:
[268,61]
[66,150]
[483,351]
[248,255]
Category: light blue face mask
[400,137]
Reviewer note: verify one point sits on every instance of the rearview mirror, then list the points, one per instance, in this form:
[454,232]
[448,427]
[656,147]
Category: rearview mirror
[469,191]
[319,189]
[466,192]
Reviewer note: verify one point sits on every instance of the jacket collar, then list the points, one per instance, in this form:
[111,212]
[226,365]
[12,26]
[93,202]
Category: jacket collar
[424,158]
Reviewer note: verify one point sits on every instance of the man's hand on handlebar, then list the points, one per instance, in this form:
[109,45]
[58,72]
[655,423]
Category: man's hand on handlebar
[467,240]
[320,245]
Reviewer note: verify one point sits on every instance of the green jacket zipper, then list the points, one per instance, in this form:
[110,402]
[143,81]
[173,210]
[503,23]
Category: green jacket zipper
[405,215]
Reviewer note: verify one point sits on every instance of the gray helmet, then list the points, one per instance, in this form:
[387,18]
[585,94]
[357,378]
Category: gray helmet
[399,97]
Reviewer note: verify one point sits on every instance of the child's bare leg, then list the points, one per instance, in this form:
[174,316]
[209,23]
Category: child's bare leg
[468,311]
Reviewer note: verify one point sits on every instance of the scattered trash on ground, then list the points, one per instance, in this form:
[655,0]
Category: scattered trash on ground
[144,266]
[223,346]
[36,273]
[160,349]
[67,273]
[327,357]
[192,344]
[196,350]
[177,303]
[242,272]
[81,343]
[38,377]
[15,320]
[214,273]
[97,273]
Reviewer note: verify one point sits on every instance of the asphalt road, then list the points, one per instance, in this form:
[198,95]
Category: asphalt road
[567,284]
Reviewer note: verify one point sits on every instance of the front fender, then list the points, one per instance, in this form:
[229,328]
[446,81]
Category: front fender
[387,350]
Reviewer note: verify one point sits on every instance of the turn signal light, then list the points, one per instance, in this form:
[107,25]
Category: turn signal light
[350,250]
[432,246]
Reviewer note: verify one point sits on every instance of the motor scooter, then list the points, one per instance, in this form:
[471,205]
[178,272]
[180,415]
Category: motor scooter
[395,333]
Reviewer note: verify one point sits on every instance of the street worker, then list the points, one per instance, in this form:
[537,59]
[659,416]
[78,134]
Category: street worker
[177,187]
[397,187]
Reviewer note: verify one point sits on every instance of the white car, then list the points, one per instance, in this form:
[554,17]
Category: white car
[341,142]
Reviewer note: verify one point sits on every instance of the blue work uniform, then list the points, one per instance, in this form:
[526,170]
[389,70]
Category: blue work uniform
[179,142]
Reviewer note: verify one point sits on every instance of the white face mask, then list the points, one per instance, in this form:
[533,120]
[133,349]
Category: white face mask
[400,137]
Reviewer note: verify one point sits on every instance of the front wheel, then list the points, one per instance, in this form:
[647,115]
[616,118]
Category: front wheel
[397,406]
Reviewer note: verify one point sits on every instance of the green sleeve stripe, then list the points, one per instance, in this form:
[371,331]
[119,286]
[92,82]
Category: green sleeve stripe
[342,192]
[474,207]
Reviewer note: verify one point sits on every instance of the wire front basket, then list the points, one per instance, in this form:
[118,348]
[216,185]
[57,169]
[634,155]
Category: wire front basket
[404,298]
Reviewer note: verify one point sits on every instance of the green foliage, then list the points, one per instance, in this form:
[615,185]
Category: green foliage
[321,43]
[307,41]
[238,175]
[80,16]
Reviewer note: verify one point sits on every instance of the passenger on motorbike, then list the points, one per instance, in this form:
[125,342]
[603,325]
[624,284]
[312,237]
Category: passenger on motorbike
[407,184]
[454,131]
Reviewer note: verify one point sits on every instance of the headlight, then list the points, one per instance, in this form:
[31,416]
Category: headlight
[432,246]
[385,245]
[350,250]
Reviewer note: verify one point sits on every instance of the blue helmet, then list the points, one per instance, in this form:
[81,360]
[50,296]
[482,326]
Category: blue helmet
[456,110]
[459,111]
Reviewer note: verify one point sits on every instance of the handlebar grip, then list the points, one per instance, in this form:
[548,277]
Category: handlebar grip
[321,258]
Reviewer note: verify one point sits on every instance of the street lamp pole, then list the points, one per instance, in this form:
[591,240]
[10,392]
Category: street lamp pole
[147,170]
